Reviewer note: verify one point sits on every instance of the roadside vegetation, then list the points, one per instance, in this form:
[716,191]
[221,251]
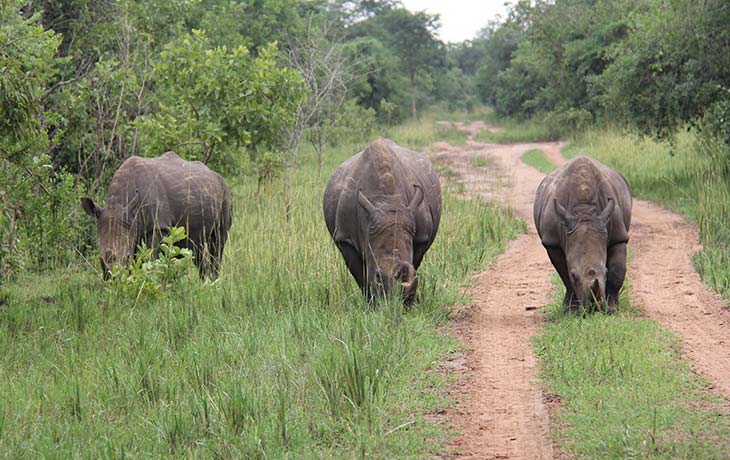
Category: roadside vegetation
[421,133]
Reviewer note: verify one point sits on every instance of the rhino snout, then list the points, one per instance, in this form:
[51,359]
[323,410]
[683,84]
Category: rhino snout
[110,259]
[596,290]
[404,272]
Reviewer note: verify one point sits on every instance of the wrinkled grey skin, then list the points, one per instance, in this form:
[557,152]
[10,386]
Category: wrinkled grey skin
[382,208]
[582,213]
[148,196]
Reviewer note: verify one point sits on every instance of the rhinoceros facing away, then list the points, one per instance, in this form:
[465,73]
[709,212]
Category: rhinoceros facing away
[582,214]
[148,196]
[382,208]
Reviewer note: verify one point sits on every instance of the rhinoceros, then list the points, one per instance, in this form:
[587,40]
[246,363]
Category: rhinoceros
[582,214]
[382,208]
[148,196]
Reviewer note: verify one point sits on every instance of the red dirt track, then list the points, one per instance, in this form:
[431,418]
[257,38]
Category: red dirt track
[501,411]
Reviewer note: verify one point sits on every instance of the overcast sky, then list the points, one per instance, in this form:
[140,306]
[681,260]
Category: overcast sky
[460,19]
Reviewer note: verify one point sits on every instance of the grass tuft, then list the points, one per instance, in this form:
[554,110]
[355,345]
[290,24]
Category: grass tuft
[421,133]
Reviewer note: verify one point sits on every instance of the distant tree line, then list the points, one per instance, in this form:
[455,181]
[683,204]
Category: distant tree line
[653,65]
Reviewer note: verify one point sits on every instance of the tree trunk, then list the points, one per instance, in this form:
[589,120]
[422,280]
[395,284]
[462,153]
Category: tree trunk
[412,81]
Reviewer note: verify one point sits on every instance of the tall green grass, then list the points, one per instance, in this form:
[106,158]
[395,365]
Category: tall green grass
[678,176]
[624,391]
[421,133]
[281,358]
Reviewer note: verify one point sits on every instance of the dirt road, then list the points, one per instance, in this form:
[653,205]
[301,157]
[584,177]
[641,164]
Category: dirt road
[501,411]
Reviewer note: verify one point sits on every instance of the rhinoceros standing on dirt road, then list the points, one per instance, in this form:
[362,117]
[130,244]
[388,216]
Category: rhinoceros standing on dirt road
[582,213]
[148,196]
[382,208]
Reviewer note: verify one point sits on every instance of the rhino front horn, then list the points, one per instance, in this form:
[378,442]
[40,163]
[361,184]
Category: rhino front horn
[596,289]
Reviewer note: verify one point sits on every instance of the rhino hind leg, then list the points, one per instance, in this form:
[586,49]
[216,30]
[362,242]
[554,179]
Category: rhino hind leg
[557,257]
[216,244]
[616,268]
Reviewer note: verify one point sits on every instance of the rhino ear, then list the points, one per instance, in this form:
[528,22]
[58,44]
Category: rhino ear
[417,198]
[566,216]
[607,211]
[365,203]
[90,207]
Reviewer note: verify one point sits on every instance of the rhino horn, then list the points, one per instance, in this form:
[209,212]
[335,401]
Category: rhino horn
[607,211]
[567,216]
[596,290]
[365,203]
[417,198]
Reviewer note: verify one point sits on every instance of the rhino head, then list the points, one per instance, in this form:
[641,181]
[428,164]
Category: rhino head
[388,246]
[117,234]
[585,247]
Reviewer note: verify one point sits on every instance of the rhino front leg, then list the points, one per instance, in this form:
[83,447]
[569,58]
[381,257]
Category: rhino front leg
[354,263]
[616,272]
[557,257]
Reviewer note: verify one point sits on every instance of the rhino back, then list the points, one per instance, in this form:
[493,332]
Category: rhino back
[582,180]
[172,192]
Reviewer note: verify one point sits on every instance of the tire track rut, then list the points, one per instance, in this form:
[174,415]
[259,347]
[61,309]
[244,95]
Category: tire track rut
[500,411]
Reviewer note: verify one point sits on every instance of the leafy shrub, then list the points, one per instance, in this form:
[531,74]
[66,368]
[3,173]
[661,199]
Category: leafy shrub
[211,98]
[567,122]
[355,123]
[148,276]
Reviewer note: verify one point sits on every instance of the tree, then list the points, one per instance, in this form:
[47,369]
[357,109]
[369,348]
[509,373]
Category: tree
[411,37]
[673,68]
[214,101]
[320,58]
[34,197]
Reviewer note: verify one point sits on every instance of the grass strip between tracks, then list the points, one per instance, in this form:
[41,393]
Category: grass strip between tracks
[536,158]
[624,391]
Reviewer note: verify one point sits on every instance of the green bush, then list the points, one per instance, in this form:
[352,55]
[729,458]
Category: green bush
[211,98]
[563,123]
[150,277]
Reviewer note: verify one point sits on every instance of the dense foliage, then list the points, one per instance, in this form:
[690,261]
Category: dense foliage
[654,65]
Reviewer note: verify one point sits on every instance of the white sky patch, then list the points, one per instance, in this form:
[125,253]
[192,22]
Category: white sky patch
[460,19]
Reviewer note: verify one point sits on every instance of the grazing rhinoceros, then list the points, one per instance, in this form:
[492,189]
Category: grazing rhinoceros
[582,213]
[148,196]
[382,208]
